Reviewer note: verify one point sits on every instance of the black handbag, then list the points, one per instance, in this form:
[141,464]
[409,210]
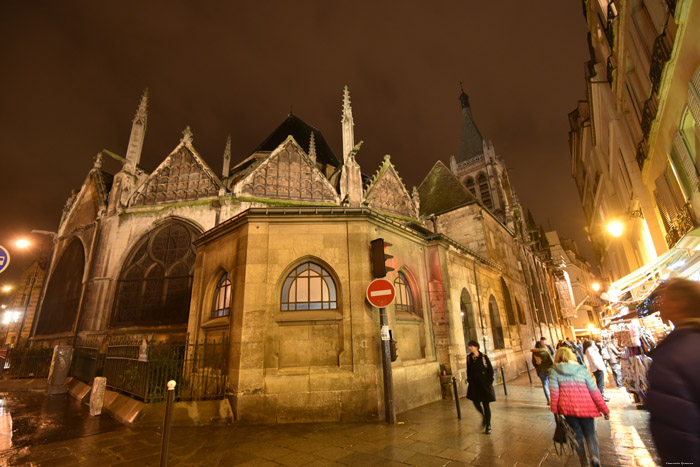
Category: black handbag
[563,435]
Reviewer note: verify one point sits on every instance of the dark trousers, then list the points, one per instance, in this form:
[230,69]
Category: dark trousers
[600,381]
[585,428]
[485,411]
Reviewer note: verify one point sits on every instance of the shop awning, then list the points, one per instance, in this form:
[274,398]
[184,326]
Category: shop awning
[681,260]
[643,280]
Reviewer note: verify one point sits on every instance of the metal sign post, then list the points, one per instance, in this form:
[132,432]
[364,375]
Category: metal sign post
[381,293]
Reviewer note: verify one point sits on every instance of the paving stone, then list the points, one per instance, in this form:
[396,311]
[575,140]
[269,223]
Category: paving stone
[425,460]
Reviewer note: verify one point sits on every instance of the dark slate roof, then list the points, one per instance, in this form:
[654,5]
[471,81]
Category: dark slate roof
[108,179]
[470,141]
[301,132]
[441,191]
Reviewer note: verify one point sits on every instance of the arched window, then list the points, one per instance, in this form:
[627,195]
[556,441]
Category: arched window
[496,326]
[308,287]
[404,295]
[521,314]
[509,304]
[469,183]
[484,191]
[62,298]
[222,297]
[468,318]
[156,282]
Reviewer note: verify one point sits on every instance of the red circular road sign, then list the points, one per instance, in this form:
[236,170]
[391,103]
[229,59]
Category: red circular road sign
[381,293]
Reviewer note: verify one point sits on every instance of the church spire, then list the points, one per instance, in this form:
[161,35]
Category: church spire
[138,133]
[471,143]
[348,126]
[227,158]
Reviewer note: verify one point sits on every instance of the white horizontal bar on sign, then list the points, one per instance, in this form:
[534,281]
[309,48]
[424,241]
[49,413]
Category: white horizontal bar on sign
[379,293]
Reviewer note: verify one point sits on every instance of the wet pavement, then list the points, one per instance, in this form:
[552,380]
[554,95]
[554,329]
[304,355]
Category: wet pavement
[427,436]
[33,419]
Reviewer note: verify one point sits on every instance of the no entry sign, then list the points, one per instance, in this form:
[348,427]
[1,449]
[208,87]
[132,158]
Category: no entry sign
[381,293]
[4,258]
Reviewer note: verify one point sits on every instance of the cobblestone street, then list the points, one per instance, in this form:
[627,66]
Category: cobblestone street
[427,436]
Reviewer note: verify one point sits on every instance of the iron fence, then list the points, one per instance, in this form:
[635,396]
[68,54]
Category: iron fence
[87,360]
[141,367]
[27,362]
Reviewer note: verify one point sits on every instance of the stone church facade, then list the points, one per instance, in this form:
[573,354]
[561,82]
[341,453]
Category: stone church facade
[273,255]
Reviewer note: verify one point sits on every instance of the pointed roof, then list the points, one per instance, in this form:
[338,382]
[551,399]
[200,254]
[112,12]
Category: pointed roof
[301,132]
[442,191]
[387,192]
[470,141]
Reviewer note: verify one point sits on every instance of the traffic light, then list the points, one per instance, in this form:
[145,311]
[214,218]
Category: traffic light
[379,257]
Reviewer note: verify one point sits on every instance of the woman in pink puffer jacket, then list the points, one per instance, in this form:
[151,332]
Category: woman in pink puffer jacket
[575,395]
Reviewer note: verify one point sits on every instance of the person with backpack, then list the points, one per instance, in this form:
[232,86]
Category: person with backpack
[542,361]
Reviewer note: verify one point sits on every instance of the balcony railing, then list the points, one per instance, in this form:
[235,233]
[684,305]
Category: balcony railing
[648,115]
[611,15]
[641,153]
[680,225]
[671,4]
[659,57]
[611,69]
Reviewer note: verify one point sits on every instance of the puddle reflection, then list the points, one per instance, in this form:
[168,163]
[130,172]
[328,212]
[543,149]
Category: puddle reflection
[5,429]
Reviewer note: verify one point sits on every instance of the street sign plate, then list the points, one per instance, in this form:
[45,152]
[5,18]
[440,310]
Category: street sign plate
[4,258]
[381,293]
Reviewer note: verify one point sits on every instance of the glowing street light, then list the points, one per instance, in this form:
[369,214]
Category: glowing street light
[595,286]
[615,228]
[6,288]
[23,243]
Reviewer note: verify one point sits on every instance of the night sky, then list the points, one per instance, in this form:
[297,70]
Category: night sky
[73,73]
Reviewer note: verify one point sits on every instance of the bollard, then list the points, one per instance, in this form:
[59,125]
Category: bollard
[166,423]
[454,387]
[527,367]
[503,377]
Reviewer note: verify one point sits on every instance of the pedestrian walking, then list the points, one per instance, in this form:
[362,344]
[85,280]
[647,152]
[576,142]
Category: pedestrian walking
[543,343]
[575,395]
[596,365]
[673,399]
[614,361]
[480,380]
[543,363]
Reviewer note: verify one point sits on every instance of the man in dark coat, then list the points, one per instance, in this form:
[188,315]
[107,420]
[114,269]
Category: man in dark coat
[480,379]
[673,399]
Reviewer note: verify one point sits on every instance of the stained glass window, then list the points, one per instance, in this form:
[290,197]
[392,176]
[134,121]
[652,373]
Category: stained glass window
[156,282]
[309,287]
[222,298]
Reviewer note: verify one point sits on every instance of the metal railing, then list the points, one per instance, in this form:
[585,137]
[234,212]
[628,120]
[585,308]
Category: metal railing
[641,153]
[659,57]
[87,360]
[610,69]
[27,362]
[142,367]
[648,115]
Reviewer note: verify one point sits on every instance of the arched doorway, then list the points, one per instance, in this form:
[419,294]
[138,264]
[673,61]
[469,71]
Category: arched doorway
[62,298]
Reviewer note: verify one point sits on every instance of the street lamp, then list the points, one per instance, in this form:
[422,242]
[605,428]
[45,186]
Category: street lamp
[615,228]
[595,286]
[23,243]
[6,288]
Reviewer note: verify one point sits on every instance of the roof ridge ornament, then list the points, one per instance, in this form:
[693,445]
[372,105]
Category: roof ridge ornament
[187,136]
